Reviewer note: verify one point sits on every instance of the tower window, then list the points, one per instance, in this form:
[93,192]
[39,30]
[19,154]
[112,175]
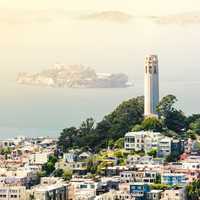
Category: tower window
[150,69]
[146,69]
[155,70]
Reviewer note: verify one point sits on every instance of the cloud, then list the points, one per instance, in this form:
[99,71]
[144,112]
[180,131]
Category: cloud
[178,19]
[110,16]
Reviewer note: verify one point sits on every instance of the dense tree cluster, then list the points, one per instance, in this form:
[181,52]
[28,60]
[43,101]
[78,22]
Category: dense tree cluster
[126,117]
[113,127]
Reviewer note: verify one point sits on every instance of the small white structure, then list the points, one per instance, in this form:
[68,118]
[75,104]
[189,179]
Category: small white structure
[151,85]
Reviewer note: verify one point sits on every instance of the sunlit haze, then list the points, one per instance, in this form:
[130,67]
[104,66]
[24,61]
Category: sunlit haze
[110,36]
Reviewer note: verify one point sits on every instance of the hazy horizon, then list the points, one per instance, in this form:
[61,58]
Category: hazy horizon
[109,36]
[38,34]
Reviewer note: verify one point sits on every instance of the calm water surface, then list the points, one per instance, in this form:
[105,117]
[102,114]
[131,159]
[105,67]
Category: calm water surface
[36,111]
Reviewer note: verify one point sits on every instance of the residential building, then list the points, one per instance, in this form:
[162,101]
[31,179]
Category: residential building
[127,176]
[167,146]
[39,158]
[164,147]
[79,167]
[173,194]
[154,195]
[70,157]
[142,140]
[49,188]
[8,192]
[83,189]
[114,195]
[174,179]
[49,192]
[139,190]
[145,176]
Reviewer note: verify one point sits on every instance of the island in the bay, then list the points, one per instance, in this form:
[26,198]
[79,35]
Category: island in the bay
[74,76]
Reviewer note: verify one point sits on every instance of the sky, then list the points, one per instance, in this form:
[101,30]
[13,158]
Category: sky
[108,35]
[36,34]
[139,6]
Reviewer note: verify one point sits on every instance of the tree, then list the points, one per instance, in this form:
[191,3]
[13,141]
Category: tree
[195,126]
[119,144]
[158,179]
[173,119]
[92,165]
[41,174]
[101,136]
[166,106]
[153,152]
[67,175]
[87,126]
[111,143]
[118,154]
[125,116]
[173,157]
[5,151]
[152,123]
[193,190]
[159,186]
[66,139]
[49,167]
[176,121]
[52,159]
[196,146]
[193,118]
[137,127]
[112,127]
[58,173]
[191,134]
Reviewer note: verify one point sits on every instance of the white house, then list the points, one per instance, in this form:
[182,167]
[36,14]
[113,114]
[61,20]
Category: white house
[142,140]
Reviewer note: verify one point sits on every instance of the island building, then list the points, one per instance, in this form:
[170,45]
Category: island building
[151,85]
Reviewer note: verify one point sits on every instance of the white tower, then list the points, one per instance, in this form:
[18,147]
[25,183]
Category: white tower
[151,85]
